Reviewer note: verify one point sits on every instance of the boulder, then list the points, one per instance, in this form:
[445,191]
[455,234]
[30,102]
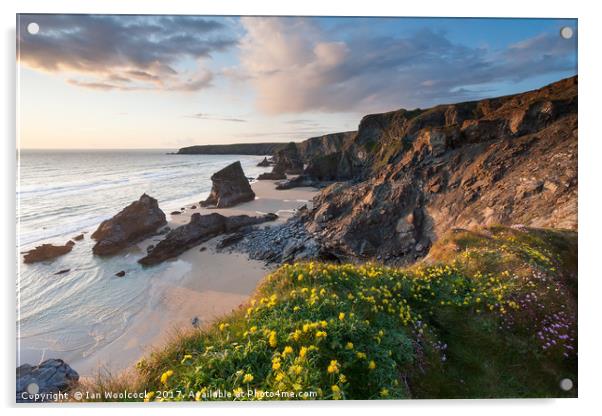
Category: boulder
[78,237]
[200,229]
[120,274]
[50,377]
[137,221]
[47,252]
[230,187]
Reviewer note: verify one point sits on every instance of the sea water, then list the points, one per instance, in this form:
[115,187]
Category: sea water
[61,194]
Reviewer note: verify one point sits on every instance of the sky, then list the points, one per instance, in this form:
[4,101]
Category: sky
[123,81]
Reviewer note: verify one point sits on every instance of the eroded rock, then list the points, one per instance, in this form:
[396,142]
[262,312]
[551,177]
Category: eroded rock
[230,187]
[200,229]
[47,252]
[135,222]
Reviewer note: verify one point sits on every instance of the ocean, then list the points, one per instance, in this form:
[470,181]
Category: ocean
[61,194]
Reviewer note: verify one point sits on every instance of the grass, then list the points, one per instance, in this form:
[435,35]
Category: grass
[487,314]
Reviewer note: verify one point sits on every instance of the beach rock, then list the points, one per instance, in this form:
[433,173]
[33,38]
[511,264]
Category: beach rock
[47,252]
[203,249]
[51,376]
[137,221]
[175,213]
[229,240]
[163,230]
[62,271]
[193,207]
[281,243]
[120,274]
[200,229]
[230,187]
[274,176]
[264,163]
[78,237]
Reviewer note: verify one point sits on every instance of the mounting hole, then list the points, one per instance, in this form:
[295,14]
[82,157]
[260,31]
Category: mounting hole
[33,28]
[33,388]
[566,384]
[566,32]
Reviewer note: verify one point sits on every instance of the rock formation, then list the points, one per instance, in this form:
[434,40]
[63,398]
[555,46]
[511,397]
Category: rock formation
[264,163]
[416,174]
[50,377]
[137,221]
[200,229]
[288,160]
[273,176]
[47,252]
[230,187]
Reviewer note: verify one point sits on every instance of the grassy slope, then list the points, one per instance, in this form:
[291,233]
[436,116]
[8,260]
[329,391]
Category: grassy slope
[472,320]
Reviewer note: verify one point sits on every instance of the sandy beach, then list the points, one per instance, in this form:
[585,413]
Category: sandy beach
[204,284]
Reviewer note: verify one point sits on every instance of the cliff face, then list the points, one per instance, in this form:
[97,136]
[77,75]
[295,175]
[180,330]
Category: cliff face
[509,160]
[259,149]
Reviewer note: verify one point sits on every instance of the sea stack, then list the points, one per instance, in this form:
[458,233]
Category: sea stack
[135,222]
[230,187]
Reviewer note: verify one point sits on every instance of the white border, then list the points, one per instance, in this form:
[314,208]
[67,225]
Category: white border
[590,151]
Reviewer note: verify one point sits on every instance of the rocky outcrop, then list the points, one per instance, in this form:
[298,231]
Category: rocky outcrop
[230,187]
[282,243]
[49,378]
[47,252]
[200,229]
[264,163]
[137,221]
[416,174]
[271,176]
[288,160]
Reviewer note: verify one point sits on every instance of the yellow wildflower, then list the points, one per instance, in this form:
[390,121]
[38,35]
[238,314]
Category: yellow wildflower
[287,350]
[333,367]
[303,352]
[372,365]
[273,340]
[166,375]
[321,334]
[247,378]
[300,277]
[349,346]
[149,396]
[336,392]
[341,316]
[384,392]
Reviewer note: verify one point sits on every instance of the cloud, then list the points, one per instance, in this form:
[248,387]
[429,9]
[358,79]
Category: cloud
[295,65]
[113,52]
[204,116]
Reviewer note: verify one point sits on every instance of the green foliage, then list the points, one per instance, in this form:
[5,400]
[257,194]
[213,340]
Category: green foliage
[467,323]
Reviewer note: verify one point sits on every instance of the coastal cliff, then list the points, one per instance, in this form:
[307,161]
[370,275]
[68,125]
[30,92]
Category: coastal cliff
[405,178]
